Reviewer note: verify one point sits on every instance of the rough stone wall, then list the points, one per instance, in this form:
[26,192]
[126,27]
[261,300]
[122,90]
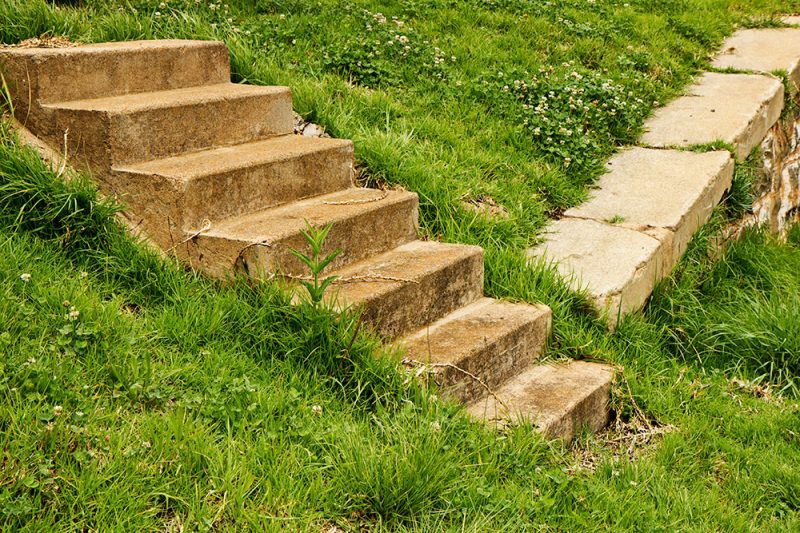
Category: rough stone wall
[778,189]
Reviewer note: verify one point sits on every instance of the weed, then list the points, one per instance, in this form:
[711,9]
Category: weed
[317,286]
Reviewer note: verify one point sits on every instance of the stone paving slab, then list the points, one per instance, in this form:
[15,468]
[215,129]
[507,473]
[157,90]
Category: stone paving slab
[793,20]
[617,265]
[738,109]
[559,399]
[490,340]
[762,50]
[668,189]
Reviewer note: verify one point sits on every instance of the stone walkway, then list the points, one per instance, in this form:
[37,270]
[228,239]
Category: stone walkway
[645,209]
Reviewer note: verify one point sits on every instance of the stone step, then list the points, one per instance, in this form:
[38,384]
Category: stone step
[559,399]
[737,109]
[364,222]
[617,266]
[646,189]
[220,183]
[412,285]
[46,75]
[114,131]
[488,340]
[762,50]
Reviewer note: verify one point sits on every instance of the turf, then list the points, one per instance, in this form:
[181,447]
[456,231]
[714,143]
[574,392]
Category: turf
[136,396]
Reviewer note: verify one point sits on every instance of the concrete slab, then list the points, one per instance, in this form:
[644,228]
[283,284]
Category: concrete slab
[666,189]
[618,266]
[412,285]
[490,340]
[793,20]
[762,50]
[559,399]
[230,181]
[353,214]
[132,128]
[738,109]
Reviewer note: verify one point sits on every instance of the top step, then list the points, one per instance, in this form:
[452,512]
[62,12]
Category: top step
[47,75]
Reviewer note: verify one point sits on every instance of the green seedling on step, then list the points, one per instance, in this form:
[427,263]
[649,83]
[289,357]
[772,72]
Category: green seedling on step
[317,285]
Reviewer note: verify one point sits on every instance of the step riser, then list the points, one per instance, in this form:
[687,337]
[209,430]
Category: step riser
[355,236]
[101,140]
[591,414]
[496,362]
[184,206]
[69,74]
[412,305]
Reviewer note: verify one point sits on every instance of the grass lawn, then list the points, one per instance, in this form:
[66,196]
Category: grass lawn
[135,396]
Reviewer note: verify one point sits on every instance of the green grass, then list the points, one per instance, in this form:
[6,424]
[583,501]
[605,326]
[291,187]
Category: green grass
[136,396]
[186,403]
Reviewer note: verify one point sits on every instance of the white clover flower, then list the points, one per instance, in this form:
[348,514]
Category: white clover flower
[157,14]
[316,409]
[25,277]
[436,427]
[57,410]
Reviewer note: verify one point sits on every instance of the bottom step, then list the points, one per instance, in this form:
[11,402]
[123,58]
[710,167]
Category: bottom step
[559,399]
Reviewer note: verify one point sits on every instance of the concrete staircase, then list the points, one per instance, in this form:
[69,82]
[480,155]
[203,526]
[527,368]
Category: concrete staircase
[653,198]
[210,170]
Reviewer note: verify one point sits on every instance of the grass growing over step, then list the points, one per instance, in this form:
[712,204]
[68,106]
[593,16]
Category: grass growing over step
[136,396]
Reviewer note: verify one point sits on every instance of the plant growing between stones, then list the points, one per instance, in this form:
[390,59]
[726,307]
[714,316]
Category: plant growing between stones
[317,285]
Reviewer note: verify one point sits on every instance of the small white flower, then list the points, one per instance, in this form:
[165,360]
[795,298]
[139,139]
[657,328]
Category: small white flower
[436,427]
[316,409]
[162,5]
[157,14]
[84,275]
[73,313]
[25,277]
[57,410]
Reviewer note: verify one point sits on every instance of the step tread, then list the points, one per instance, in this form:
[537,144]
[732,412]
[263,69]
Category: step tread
[618,266]
[408,263]
[147,101]
[229,158]
[115,47]
[490,340]
[275,223]
[410,285]
[762,50]
[459,335]
[735,108]
[558,398]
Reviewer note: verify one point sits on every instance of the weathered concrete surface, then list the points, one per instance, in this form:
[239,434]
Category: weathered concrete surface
[119,130]
[45,75]
[559,399]
[762,50]
[413,285]
[618,266]
[261,242]
[490,340]
[230,181]
[793,20]
[738,109]
[667,189]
